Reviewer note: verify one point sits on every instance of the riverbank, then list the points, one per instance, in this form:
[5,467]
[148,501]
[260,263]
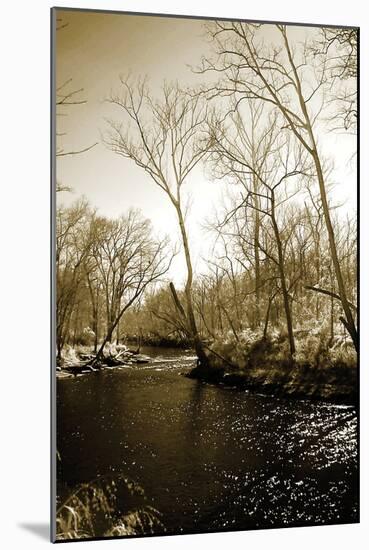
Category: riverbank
[299,381]
[264,367]
[82,359]
[260,367]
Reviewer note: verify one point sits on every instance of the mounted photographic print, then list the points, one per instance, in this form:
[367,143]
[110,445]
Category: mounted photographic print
[205,328]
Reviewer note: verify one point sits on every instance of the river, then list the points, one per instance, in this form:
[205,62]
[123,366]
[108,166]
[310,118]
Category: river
[209,458]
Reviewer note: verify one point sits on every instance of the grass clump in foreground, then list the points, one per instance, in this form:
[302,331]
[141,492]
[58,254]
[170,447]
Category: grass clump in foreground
[108,507]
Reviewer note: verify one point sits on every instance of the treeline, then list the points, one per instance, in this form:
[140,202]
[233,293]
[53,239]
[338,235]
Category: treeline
[103,267]
[111,280]
[284,258]
[231,303]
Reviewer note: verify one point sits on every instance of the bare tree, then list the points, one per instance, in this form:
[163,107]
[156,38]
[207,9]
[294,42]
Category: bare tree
[163,138]
[72,247]
[262,162]
[128,259]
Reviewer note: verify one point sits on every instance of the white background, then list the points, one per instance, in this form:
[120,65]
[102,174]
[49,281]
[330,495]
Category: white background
[24,269]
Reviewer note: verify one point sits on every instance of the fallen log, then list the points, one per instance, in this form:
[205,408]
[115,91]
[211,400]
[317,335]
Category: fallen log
[79,369]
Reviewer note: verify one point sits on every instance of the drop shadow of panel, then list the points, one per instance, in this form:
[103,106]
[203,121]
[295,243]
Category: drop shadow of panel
[41,530]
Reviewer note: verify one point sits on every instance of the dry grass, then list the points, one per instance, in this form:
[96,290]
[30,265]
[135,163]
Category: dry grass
[109,506]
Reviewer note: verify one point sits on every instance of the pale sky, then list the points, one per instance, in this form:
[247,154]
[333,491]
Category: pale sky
[93,50]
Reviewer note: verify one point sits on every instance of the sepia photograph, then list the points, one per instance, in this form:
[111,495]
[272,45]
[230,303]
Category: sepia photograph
[205,372]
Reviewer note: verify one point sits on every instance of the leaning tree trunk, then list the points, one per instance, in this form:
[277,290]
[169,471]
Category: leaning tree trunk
[348,321]
[190,316]
[113,325]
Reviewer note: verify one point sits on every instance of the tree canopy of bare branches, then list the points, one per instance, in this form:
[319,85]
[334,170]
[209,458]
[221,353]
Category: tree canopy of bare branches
[285,78]
[164,137]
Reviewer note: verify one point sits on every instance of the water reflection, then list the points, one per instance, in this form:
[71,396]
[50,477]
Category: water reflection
[209,457]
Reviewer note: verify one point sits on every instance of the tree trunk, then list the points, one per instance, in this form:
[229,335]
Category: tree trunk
[108,336]
[286,301]
[266,323]
[94,307]
[257,254]
[332,312]
[114,325]
[117,333]
[350,323]
[59,350]
[190,316]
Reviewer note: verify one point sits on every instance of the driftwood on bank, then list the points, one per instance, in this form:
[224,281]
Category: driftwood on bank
[86,362]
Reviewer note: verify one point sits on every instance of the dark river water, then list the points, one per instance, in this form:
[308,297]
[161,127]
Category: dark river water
[209,458]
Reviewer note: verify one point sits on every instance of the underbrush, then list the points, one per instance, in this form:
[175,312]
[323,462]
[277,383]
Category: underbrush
[250,349]
[157,340]
[321,368]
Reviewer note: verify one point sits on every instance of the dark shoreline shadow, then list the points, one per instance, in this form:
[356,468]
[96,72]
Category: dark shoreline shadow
[42,530]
